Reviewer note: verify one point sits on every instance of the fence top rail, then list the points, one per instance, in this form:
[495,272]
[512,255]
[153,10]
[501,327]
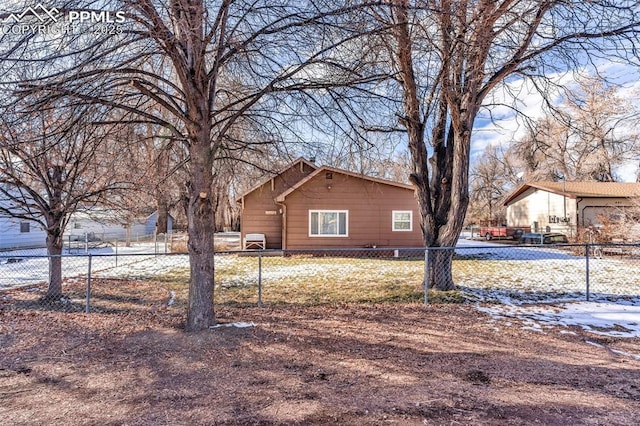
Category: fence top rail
[421,248]
[332,250]
[76,255]
[614,244]
[512,246]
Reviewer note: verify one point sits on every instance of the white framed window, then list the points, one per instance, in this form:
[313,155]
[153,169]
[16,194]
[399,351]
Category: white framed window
[402,220]
[25,227]
[328,223]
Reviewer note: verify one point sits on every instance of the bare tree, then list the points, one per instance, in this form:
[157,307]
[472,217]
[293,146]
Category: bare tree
[447,56]
[586,138]
[217,69]
[491,179]
[52,163]
[153,165]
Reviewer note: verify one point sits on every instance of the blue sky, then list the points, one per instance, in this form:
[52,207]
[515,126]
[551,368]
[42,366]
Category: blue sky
[499,124]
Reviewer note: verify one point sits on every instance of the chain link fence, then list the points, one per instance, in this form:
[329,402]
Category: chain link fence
[527,274]
[101,281]
[92,241]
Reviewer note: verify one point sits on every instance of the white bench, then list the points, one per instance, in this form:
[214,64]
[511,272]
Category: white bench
[256,241]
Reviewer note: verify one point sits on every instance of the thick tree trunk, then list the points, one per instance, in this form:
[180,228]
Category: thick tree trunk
[433,190]
[440,273]
[451,208]
[200,218]
[190,65]
[55,242]
[223,208]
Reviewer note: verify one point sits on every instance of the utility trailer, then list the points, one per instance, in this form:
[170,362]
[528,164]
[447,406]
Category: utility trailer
[503,232]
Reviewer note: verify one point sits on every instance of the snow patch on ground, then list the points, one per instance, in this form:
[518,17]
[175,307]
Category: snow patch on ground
[620,319]
[235,324]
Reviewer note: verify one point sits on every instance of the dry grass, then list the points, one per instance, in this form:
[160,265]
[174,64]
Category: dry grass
[314,281]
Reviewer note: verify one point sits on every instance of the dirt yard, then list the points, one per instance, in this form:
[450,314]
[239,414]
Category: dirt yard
[334,364]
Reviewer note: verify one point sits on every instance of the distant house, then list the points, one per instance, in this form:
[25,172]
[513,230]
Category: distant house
[567,206]
[96,224]
[16,233]
[105,225]
[305,206]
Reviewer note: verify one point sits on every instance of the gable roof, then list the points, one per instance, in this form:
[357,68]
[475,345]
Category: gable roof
[280,198]
[279,172]
[581,189]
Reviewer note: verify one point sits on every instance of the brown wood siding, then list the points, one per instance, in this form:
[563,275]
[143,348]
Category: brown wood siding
[254,218]
[370,206]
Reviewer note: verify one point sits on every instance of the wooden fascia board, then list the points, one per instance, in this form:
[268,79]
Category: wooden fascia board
[280,198]
[300,160]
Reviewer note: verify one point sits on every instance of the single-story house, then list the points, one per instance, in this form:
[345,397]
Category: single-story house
[92,223]
[17,233]
[94,226]
[568,206]
[305,206]
[104,225]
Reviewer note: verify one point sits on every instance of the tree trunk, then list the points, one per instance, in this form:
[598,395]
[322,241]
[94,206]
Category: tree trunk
[162,218]
[223,208]
[440,274]
[433,190]
[128,235]
[189,58]
[200,218]
[54,250]
[55,220]
[451,207]
[162,206]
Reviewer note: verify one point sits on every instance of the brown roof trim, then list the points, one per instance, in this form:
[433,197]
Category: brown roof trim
[280,198]
[279,172]
[580,189]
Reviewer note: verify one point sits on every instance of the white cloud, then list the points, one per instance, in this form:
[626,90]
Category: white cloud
[502,119]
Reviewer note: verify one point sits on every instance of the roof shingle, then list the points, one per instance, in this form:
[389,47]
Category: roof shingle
[582,189]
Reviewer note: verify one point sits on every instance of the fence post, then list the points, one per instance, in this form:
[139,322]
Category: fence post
[426,276]
[86,309]
[586,255]
[260,279]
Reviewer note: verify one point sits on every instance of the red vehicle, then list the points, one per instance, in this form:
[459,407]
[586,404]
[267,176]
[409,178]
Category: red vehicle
[505,232]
